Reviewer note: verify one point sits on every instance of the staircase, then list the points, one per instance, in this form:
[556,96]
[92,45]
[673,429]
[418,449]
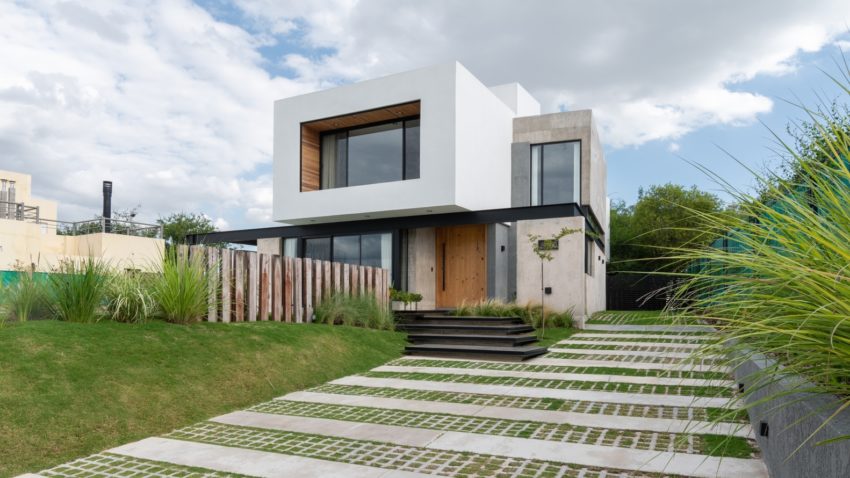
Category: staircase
[435,333]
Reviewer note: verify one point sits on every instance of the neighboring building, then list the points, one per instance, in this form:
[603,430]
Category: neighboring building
[32,237]
[441,179]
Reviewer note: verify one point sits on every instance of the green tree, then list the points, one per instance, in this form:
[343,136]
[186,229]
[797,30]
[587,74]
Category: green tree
[664,217]
[176,226]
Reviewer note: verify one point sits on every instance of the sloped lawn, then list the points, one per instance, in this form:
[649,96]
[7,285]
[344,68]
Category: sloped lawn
[68,390]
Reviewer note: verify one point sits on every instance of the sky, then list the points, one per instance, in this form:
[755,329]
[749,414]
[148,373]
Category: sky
[172,100]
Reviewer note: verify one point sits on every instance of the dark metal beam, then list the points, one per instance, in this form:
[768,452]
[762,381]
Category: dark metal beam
[490,216]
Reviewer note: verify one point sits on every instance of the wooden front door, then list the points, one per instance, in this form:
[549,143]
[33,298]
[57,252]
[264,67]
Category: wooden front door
[461,264]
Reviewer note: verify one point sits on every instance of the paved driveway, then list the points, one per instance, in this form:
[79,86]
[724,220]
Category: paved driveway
[624,401]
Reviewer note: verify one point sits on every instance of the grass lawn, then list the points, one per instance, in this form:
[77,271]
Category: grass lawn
[553,335]
[68,390]
[637,317]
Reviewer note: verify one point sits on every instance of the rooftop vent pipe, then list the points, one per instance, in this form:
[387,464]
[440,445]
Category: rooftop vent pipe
[107,206]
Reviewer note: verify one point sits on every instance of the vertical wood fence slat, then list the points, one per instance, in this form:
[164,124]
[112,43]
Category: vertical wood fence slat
[265,286]
[308,290]
[253,286]
[277,288]
[327,286]
[318,292]
[336,266]
[213,268]
[298,292]
[288,306]
[346,279]
[226,283]
[361,280]
[369,285]
[239,286]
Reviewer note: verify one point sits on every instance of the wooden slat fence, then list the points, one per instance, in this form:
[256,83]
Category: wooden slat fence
[250,286]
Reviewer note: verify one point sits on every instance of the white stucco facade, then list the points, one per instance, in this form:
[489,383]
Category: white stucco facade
[465,136]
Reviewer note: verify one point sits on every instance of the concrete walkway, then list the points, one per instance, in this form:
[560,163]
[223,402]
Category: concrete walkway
[412,417]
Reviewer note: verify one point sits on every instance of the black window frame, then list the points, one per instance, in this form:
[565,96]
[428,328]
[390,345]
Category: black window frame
[402,120]
[394,234]
[540,184]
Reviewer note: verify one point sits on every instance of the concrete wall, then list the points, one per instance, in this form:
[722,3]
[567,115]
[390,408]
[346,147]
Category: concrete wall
[791,420]
[26,243]
[269,246]
[497,261]
[595,284]
[565,273]
[421,265]
[465,136]
[569,126]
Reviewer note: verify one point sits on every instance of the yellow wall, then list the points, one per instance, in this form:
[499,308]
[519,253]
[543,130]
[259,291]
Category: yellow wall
[25,243]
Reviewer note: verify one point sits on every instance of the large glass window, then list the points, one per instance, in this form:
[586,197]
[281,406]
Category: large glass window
[370,154]
[318,248]
[555,173]
[373,250]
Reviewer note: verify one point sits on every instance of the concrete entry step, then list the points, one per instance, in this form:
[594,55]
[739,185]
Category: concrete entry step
[482,352]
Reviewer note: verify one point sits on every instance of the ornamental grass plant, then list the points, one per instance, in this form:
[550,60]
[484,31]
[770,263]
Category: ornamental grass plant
[181,288]
[354,310]
[76,289]
[778,289]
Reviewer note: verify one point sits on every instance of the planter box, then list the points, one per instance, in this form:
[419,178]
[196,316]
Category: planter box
[790,420]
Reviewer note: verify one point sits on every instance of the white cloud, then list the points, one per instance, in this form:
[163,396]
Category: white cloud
[673,147]
[175,106]
[652,70]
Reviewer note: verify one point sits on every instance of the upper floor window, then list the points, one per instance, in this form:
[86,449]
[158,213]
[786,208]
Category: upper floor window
[555,173]
[370,154]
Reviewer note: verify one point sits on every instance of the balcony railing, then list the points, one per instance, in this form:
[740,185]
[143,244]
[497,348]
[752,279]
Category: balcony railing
[22,212]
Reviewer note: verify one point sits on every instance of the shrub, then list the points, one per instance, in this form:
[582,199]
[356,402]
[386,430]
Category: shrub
[129,299]
[181,289]
[77,289]
[405,297]
[23,299]
[357,310]
[530,313]
[782,285]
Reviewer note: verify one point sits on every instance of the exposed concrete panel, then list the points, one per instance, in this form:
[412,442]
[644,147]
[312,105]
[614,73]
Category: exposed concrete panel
[595,284]
[269,246]
[421,265]
[520,174]
[497,261]
[565,273]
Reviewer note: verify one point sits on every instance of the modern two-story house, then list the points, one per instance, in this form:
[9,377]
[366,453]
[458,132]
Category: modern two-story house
[441,179]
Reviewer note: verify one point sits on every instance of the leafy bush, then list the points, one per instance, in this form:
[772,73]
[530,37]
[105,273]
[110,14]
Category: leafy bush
[358,310]
[23,299]
[530,313]
[77,289]
[782,286]
[181,289]
[129,298]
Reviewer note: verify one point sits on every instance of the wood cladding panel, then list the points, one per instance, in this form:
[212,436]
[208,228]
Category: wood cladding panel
[310,158]
[461,272]
[311,136]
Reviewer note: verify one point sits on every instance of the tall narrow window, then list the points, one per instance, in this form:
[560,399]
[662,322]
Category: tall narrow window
[318,248]
[370,154]
[555,173]
[588,255]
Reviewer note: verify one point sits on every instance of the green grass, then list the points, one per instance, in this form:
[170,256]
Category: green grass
[554,335]
[699,391]
[639,317]
[72,389]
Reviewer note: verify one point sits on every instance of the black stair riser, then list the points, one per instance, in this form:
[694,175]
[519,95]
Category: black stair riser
[460,322]
[475,330]
[448,340]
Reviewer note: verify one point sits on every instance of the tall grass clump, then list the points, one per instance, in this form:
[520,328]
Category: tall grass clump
[780,292]
[76,289]
[530,313]
[181,289]
[22,299]
[356,310]
[129,298]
